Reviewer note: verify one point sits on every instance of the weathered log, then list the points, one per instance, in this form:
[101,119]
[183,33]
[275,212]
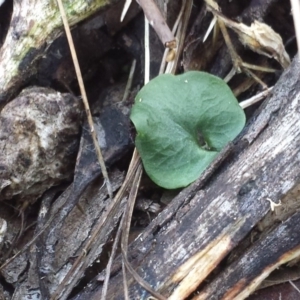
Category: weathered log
[243,277]
[203,224]
[34,25]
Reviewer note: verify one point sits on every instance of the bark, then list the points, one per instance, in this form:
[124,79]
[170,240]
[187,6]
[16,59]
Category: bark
[203,224]
[245,275]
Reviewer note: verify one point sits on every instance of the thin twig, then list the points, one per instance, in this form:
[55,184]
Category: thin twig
[129,81]
[130,207]
[111,259]
[180,36]
[256,98]
[125,9]
[210,27]
[234,57]
[294,286]
[258,68]
[171,66]
[125,283]
[174,29]
[255,77]
[229,76]
[158,22]
[147,52]
[140,280]
[84,98]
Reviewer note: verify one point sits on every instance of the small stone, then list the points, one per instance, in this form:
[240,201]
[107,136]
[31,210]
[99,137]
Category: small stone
[39,135]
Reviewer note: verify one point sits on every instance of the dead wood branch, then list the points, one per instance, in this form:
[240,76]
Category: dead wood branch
[157,21]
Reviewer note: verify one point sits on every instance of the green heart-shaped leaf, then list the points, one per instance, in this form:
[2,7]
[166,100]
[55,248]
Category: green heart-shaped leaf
[182,123]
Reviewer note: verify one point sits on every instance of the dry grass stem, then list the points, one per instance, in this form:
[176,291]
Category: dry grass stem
[111,259]
[179,30]
[294,286]
[256,98]
[129,81]
[127,222]
[125,282]
[230,75]
[126,228]
[147,52]
[174,29]
[158,22]
[125,9]
[84,98]
[210,28]
[180,35]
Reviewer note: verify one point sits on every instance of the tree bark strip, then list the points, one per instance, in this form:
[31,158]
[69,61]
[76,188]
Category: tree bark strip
[244,276]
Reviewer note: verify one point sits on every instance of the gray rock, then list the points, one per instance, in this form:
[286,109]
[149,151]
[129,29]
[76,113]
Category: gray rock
[39,132]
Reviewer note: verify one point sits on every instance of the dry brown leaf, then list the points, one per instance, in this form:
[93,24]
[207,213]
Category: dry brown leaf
[259,37]
[262,39]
